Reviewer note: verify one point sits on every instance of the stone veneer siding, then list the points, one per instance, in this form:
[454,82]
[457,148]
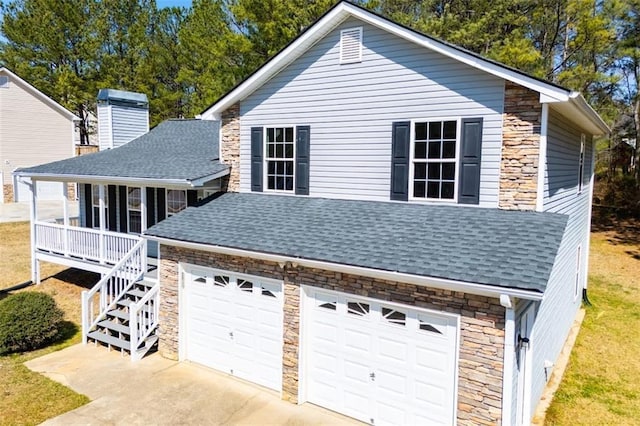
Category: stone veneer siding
[230,147]
[7,193]
[520,148]
[481,349]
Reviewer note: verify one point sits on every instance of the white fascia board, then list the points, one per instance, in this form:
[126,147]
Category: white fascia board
[182,183]
[343,11]
[41,95]
[202,180]
[445,284]
[589,113]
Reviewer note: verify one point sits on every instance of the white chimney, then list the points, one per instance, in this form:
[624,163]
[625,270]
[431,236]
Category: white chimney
[122,117]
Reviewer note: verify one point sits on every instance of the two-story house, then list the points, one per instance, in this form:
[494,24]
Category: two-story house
[400,234]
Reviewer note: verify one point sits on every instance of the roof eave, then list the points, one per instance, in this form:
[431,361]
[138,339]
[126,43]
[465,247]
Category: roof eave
[55,177]
[441,283]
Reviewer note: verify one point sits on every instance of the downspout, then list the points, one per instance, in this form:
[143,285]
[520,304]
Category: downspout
[542,157]
[509,353]
[585,281]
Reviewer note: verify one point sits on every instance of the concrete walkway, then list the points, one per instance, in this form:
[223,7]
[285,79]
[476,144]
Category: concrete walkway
[47,210]
[162,392]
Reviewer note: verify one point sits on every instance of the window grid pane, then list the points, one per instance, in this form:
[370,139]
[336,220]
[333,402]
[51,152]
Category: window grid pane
[176,201]
[280,158]
[434,158]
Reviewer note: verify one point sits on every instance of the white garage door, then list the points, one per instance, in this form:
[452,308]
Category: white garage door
[47,191]
[234,324]
[378,362]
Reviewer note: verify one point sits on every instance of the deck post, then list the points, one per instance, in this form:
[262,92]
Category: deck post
[143,209]
[65,217]
[102,223]
[33,216]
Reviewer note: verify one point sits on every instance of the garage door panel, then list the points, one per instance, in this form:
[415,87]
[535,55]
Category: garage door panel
[234,327]
[383,364]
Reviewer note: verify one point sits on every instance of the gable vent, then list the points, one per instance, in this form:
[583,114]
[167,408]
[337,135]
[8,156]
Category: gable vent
[4,81]
[351,45]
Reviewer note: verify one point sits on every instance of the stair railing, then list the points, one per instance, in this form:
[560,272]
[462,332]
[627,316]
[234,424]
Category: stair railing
[143,320]
[106,293]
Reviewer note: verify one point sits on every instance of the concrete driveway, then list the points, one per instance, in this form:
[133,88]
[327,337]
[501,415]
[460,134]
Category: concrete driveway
[162,392]
[47,210]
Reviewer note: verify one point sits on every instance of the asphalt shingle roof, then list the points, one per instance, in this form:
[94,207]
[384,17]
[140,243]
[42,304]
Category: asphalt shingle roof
[173,150]
[487,246]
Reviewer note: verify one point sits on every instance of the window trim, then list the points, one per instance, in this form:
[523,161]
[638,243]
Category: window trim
[455,161]
[581,158]
[265,159]
[129,210]
[95,190]
[166,201]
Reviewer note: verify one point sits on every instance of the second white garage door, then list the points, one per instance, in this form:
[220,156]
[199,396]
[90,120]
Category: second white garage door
[378,362]
[234,324]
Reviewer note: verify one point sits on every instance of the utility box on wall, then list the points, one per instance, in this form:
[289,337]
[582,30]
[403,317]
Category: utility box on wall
[122,117]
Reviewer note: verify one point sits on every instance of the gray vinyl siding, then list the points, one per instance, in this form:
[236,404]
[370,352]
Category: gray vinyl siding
[128,124]
[559,307]
[104,127]
[351,108]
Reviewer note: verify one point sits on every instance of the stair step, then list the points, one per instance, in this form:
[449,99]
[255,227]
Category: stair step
[120,328]
[118,313]
[148,343]
[109,340]
[135,292]
[125,302]
[145,283]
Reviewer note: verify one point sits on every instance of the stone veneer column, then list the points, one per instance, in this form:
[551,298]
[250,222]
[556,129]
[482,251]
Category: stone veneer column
[230,147]
[7,193]
[481,351]
[520,148]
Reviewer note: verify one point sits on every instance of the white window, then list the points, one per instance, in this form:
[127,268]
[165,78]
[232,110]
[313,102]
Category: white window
[578,281]
[134,209]
[280,158]
[95,195]
[4,81]
[434,152]
[176,201]
[581,163]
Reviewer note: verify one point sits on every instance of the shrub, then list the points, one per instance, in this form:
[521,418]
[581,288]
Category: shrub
[28,320]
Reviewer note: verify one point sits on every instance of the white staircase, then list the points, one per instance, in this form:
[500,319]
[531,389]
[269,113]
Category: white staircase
[121,311]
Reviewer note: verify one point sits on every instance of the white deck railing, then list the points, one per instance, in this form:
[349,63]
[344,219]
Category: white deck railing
[103,247]
[143,319]
[106,293]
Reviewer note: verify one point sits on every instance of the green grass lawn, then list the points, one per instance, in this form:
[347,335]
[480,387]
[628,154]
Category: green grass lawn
[26,397]
[601,385]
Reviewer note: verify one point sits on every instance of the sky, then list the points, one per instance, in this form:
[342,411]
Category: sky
[167,3]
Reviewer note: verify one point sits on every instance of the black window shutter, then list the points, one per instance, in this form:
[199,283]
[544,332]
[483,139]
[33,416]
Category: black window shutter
[122,196]
[256,159]
[88,206]
[470,153]
[151,207]
[192,197]
[113,217]
[162,206]
[303,134]
[400,144]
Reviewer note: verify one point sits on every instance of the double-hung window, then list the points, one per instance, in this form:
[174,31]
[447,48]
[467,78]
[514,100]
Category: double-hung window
[176,201]
[95,195]
[134,209]
[434,159]
[280,158]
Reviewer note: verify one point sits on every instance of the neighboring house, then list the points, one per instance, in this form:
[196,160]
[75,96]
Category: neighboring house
[34,129]
[403,238]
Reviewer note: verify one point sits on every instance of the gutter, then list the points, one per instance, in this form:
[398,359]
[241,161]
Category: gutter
[182,183]
[440,283]
[509,354]
[579,101]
